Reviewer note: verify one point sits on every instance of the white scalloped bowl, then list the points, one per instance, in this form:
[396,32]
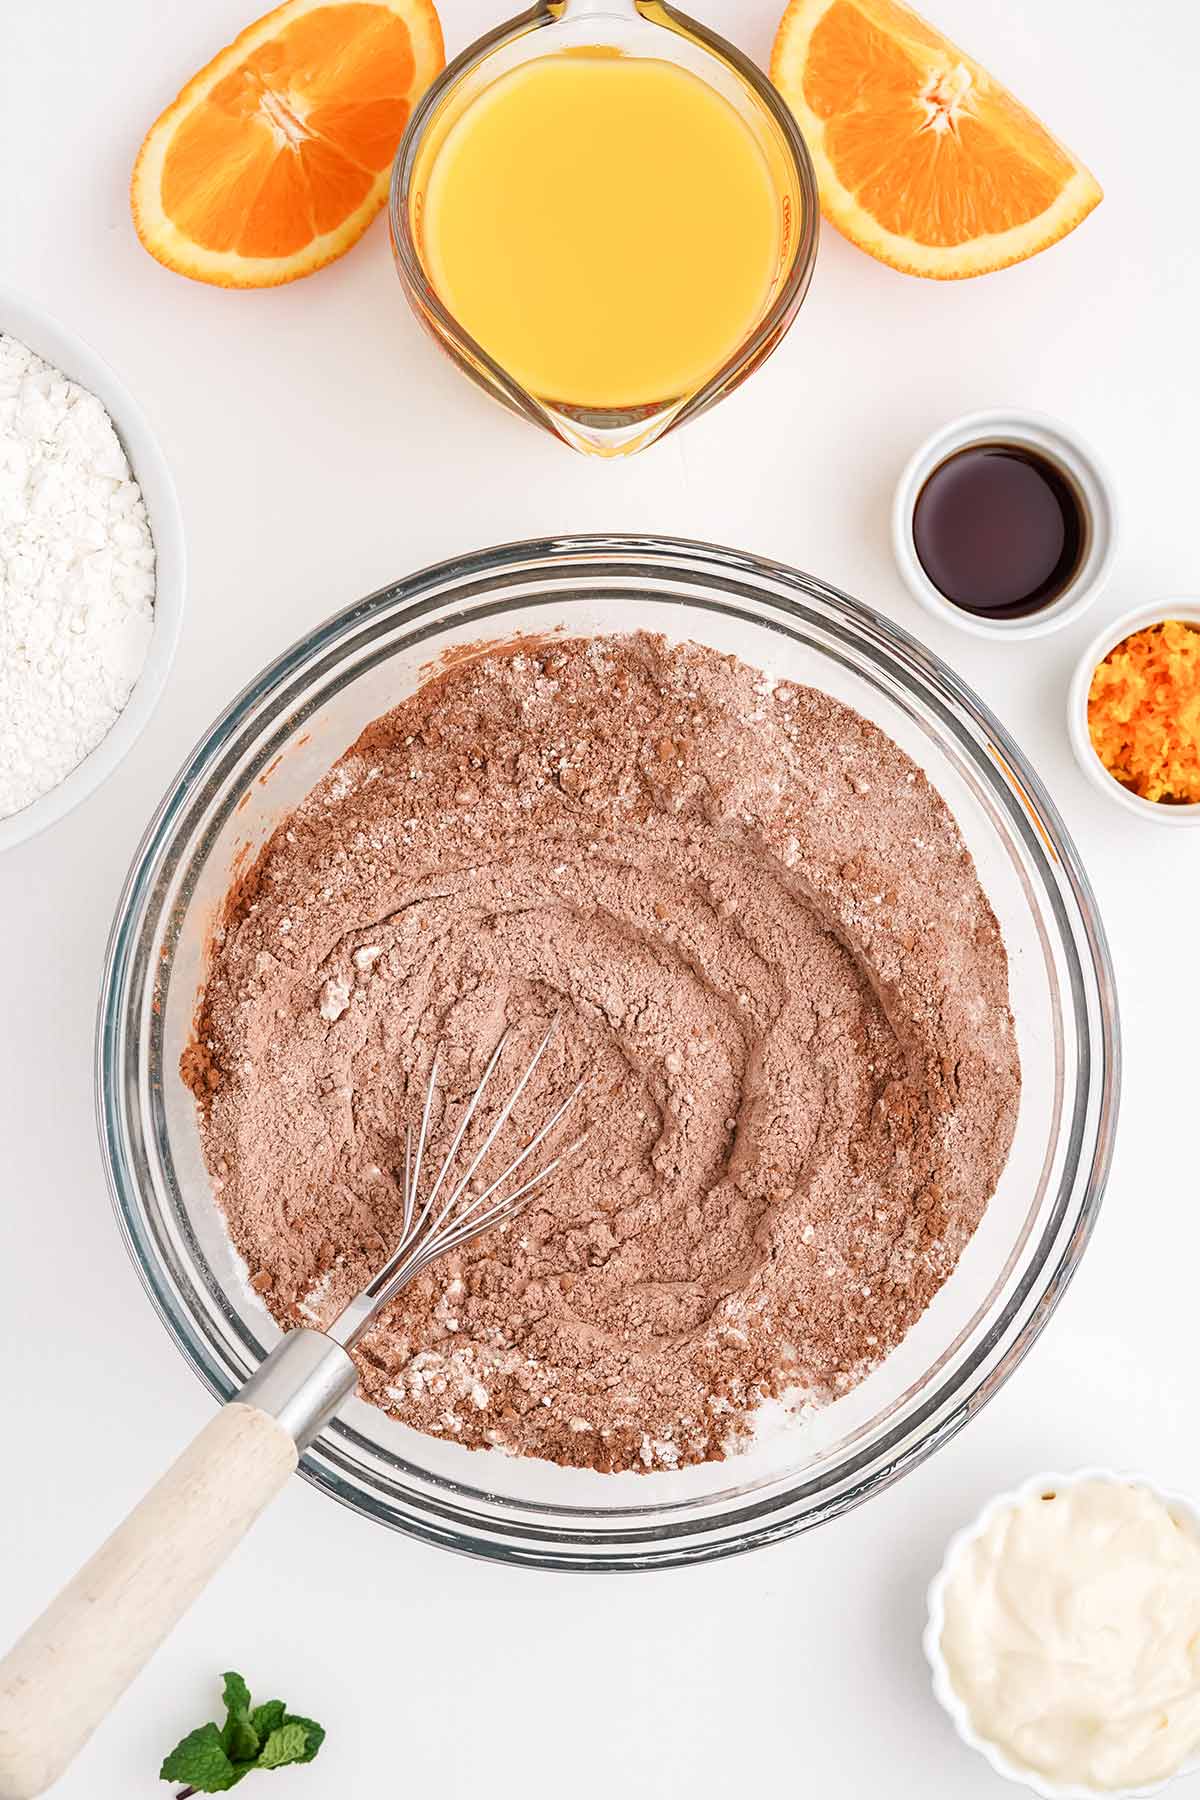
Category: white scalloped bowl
[1154,812]
[21,318]
[1178,1505]
[1065,448]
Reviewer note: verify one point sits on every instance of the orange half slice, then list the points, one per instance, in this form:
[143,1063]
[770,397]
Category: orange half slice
[275,158]
[922,158]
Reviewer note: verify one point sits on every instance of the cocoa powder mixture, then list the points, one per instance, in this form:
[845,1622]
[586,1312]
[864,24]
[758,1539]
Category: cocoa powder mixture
[769,947]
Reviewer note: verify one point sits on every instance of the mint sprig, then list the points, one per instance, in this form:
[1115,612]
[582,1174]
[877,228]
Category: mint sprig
[214,1758]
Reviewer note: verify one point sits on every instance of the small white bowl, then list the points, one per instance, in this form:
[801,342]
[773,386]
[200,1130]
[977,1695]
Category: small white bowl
[1077,720]
[1060,445]
[1178,1505]
[22,319]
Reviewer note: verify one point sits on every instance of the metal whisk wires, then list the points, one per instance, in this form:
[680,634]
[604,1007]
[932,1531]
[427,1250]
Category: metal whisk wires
[451,1215]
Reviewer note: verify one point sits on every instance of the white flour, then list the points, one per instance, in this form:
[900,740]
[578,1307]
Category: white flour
[76,576]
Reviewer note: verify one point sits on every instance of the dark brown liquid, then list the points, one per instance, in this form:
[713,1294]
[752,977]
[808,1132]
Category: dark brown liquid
[999,529]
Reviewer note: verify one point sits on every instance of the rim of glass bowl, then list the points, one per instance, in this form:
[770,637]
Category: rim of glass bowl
[475,588]
[474,359]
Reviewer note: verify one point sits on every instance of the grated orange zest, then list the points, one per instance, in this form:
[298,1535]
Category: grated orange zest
[1144,712]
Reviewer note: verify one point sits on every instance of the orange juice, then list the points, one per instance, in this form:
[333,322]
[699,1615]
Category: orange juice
[605,226]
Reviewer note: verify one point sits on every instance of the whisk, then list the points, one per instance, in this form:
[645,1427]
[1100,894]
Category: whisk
[463,1215]
[73,1664]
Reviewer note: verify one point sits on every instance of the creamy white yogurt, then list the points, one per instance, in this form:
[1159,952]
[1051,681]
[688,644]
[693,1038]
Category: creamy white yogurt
[1072,1635]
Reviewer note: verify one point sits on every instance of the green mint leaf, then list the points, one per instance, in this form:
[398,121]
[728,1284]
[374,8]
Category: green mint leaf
[199,1760]
[288,1744]
[239,1736]
[268,1718]
[240,1741]
[236,1695]
[215,1758]
[314,1733]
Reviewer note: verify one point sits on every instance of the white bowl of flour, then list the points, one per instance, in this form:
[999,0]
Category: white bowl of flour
[91,570]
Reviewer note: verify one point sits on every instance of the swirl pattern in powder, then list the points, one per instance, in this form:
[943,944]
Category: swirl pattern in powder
[768,944]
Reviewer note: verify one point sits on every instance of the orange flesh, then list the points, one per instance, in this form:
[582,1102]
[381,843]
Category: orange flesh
[926,168]
[289,144]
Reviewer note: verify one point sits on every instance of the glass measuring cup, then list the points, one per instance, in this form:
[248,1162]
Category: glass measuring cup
[632,28]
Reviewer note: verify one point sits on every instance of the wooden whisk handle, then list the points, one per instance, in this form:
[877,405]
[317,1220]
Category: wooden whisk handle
[61,1679]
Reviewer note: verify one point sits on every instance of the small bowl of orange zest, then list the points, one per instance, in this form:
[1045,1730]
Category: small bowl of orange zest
[1134,712]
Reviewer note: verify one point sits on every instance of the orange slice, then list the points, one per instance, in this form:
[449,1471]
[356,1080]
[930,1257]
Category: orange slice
[923,160]
[275,157]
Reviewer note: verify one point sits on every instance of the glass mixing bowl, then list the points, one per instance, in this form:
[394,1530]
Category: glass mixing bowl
[281,734]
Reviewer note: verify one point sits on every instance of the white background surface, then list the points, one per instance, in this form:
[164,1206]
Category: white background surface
[322,447]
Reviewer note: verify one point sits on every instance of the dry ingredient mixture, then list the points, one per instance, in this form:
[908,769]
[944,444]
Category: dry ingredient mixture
[1144,712]
[770,948]
[76,576]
